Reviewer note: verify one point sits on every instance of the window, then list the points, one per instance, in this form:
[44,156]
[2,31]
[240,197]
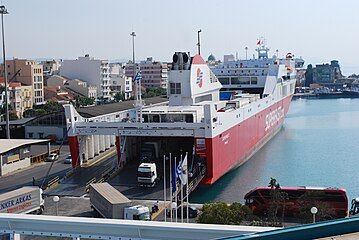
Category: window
[244,80]
[175,88]
[254,80]
[224,80]
[31,135]
[234,80]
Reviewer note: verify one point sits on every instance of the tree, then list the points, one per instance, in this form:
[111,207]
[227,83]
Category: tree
[222,213]
[153,92]
[119,97]
[278,199]
[83,101]
[309,76]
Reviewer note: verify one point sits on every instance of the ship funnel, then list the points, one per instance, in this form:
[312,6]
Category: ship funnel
[180,61]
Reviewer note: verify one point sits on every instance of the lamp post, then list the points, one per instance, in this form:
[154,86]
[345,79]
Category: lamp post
[56,199]
[174,207]
[3,11]
[314,211]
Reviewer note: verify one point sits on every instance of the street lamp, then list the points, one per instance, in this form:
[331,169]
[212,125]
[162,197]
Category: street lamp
[314,211]
[3,11]
[56,199]
[246,48]
[174,207]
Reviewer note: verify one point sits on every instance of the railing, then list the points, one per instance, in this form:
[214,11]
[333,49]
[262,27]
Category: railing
[92,228]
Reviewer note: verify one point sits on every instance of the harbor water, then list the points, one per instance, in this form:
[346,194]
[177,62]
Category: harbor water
[317,146]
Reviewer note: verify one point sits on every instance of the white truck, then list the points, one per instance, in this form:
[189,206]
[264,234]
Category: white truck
[23,200]
[147,172]
[147,175]
[110,203]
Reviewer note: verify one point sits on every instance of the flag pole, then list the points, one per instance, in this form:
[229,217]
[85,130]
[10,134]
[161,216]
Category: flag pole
[175,193]
[164,185]
[181,193]
[187,190]
[171,186]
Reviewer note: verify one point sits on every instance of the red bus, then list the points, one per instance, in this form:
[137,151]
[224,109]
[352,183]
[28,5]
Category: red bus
[298,200]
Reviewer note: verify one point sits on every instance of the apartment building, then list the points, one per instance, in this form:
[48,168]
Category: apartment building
[119,81]
[154,74]
[93,71]
[28,73]
[19,97]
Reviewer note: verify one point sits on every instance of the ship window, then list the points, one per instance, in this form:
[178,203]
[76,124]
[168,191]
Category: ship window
[234,80]
[244,80]
[254,80]
[224,80]
[175,88]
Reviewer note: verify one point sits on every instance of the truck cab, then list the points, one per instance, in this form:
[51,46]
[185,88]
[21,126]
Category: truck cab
[147,175]
[149,152]
[137,212]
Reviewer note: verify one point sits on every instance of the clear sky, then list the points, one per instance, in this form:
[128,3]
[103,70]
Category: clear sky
[317,30]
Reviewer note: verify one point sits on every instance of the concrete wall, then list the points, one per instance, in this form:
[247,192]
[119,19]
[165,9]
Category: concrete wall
[46,130]
[8,168]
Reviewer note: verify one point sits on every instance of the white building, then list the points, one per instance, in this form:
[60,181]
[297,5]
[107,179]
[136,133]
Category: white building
[76,85]
[94,72]
[119,81]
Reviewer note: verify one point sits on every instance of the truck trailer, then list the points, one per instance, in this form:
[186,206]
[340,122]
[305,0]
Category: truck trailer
[110,203]
[23,200]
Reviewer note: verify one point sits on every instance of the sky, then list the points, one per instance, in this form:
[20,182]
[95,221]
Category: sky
[317,30]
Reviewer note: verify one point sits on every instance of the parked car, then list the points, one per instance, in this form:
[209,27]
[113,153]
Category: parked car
[68,159]
[52,157]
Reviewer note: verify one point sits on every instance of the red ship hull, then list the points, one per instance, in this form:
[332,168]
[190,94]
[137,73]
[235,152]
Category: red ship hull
[236,145]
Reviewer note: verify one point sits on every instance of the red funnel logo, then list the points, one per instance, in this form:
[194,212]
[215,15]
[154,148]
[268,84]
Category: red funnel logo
[199,80]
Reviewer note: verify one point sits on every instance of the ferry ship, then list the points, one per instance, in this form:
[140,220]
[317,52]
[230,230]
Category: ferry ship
[223,133]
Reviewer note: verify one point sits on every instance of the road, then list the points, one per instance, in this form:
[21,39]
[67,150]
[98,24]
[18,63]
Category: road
[38,171]
[126,183]
[75,185]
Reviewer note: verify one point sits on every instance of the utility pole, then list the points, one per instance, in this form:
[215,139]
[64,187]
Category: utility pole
[3,11]
[199,42]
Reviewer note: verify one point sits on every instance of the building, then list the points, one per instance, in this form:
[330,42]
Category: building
[75,85]
[120,83]
[16,154]
[327,73]
[20,97]
[51,126]
[92,71]
[50,67]
[58,94]
[29,73]
[154,74]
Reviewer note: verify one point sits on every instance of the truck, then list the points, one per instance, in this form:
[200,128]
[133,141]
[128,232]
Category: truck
[110,203]
[147,172]
[147,175]
[23,200]
[149,152]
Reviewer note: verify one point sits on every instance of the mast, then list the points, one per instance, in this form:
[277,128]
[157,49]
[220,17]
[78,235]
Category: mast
[199,42]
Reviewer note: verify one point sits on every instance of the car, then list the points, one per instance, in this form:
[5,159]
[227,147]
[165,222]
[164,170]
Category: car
[68,159]
[52,157]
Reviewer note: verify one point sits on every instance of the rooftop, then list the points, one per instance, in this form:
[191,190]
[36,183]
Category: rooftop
[116,107]
[9,144]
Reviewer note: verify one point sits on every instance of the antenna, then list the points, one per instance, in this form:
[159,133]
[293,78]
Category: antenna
[199,42]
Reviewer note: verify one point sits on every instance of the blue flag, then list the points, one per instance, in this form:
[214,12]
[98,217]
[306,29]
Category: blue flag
[174,177]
